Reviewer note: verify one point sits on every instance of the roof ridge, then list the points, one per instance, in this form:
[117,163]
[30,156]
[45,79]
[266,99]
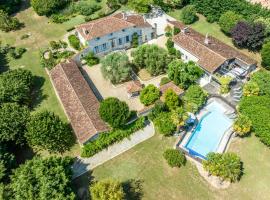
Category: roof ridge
[62,68]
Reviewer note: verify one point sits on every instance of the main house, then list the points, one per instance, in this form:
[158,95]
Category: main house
[213,56]
[114,32]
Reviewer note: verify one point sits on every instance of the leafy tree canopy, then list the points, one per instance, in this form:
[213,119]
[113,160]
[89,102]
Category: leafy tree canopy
[171,99]
[251,88]
[228,20]
[13,119]
[7,163]
[43,178]
[48,7]
[116,67]
[8,23]
[189,14]
[149,95]
[256,108]
[184,74]
[265,53]
[194,98]
[114,112]
[248,35]
[262,78]
[227,166]
[10,6]
[164,124]
[151,57]
[107,190]
[47,131]
[140,6]
[15,86]
[242,125]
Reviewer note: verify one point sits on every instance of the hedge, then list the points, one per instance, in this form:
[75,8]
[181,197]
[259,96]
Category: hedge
[104,140]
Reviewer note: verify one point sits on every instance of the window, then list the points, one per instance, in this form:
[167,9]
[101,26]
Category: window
[123,30]
[96,49]
[120,41]
[145,38]
[97,38]
[104,46]
[152,35]
[127,38]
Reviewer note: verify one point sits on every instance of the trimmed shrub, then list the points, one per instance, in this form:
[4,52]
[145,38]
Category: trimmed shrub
[157,109]
[149,95]
[174,157]
[225,84]
[74,42]
[104,140]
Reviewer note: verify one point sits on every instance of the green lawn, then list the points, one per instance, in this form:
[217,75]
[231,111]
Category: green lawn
[213,29]
[145,162]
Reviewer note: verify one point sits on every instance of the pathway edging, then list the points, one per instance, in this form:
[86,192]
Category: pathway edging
[83,165]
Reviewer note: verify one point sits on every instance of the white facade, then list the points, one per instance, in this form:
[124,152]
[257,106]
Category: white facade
[117,40]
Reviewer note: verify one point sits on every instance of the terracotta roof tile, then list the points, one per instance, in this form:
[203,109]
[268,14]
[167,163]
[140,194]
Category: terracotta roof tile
[78,100]
[134,86]
[110,24]
[170,85]
[210,56]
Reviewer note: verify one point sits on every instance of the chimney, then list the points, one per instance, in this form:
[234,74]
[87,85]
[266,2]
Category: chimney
[184,30]
[86,32]
[124,16]
[206,40]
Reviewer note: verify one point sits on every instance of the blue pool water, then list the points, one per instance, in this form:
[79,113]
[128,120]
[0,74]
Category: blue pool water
[206,136]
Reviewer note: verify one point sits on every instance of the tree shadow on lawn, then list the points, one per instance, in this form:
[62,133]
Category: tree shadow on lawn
[3,63]
[133,189]
[81,185]
[37,92]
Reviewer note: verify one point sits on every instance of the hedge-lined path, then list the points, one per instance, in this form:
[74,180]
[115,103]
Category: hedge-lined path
[83,165]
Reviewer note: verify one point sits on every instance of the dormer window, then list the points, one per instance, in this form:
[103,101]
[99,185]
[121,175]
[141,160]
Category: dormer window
[86,32]
[111,34]
[123,30]
[97,38]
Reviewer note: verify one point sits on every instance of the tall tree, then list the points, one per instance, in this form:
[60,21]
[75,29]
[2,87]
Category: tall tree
[8,23]
[228,20]
[140,6]
[151,57]
[116,67]
[114,112]
[43,178]
[189,14]
[48,7]
[47,131]
[248,35]
[184,74]
[13,119]
[16,86]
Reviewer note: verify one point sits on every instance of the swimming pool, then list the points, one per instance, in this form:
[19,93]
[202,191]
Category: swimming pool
[209,131]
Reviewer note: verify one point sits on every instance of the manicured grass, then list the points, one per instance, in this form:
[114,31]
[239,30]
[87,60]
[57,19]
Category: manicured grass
[146,163]
[213,29]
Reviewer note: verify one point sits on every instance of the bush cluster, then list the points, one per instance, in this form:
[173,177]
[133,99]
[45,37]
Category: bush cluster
[189,14]
[174,157]
[213,9]
[149,95]
[74,42]
[227,166]
[106,139]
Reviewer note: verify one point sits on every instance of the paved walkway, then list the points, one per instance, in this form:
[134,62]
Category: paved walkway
[82,165]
